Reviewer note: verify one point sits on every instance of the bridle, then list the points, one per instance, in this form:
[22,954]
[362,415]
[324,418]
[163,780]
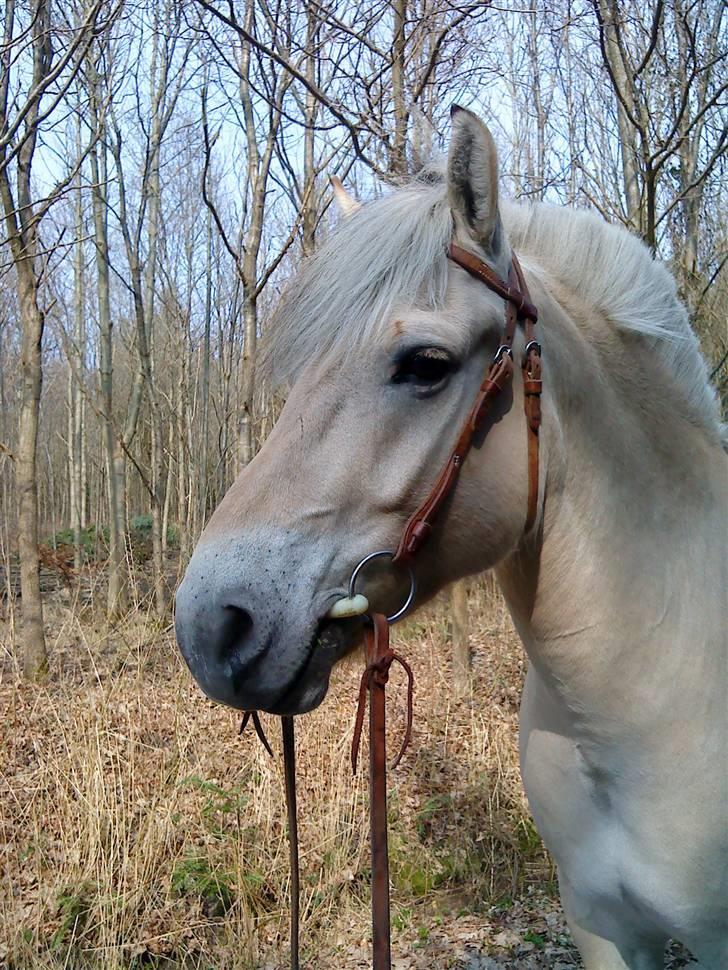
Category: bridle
[379,655]
[498,376]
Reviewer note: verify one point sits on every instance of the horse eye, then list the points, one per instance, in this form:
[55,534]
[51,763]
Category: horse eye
[424,366]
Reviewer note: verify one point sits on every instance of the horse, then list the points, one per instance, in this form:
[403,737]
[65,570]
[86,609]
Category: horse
[617,590]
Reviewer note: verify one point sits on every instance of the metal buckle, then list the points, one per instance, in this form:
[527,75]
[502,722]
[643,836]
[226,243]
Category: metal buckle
[532,345]
[503,349]
[413,583]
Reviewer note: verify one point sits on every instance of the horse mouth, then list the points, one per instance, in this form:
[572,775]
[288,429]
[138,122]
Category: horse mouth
[331,640]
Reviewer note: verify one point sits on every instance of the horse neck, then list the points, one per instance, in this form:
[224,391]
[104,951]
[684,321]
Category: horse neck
[625,575]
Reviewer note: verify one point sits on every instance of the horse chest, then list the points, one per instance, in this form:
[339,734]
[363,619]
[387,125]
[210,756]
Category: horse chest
[630,846]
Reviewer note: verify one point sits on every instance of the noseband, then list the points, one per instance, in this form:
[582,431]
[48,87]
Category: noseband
[419,526]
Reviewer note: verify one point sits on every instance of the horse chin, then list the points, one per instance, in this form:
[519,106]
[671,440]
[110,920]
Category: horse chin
[331,641]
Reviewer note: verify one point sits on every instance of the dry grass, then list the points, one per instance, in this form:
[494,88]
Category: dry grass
[137,829]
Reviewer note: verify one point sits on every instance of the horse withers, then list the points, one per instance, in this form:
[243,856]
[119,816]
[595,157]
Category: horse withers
[617,590]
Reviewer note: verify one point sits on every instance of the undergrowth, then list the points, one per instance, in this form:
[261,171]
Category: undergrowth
[138,829]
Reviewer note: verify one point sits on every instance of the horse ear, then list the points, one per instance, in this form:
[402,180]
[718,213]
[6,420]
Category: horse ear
[472,178]
[346,202]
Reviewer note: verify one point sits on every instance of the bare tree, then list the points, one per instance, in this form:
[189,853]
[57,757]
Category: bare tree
[76,375]
[664,66]
[254,69]
[140,232]
[39,61]
[113,443]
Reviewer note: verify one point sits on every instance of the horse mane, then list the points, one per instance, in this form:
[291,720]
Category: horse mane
[390,254]
[615,273]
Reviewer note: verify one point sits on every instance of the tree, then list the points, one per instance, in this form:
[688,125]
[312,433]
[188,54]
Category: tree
[39,62]
[261,123]
[664,67]
[141,256]
[100,65]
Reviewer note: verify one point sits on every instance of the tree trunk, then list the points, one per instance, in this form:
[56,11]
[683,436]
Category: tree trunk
[398,153]
[250,335]
[539,174]
[168,485]
[628,134]
[70,425]
[309,170]
[203,490]
[147,358]
[117,592]
[76,395]
[35,657]
[22,236]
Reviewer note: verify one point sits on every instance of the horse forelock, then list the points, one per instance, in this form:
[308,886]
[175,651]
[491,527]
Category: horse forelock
[388,255]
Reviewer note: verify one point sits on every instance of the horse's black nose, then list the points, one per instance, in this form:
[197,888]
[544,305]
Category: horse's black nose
[251,621]
[224,636]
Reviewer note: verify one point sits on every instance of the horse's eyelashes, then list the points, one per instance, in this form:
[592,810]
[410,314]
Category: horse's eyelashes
[423,366]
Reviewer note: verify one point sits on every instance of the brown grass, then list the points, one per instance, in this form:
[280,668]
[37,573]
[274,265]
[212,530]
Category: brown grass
[137,829]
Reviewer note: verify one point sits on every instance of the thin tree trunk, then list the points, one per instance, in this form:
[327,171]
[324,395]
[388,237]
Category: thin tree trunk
[257,179]
[224,434]
[160,592]
[570,115]
[539,174]
[309,170]
[398,153]
[627,132]
[35,658]
[245,426]
[21,233]
[203,488]
[117,592]
[76,398]
[147,356]
[186,499]
[70,425]
[168,486]
[84,465]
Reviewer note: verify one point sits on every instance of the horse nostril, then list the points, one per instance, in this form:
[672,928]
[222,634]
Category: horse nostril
[235,629]
[240,617]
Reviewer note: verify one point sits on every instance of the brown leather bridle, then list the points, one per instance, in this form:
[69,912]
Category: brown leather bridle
[419,526]
[498,376]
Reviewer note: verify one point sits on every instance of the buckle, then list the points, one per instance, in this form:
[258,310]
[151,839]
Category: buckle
[504,350]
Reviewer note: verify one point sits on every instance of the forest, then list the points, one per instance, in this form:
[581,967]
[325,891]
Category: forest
[164,167]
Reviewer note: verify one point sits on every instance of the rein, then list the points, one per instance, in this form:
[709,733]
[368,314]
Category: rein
[379,655]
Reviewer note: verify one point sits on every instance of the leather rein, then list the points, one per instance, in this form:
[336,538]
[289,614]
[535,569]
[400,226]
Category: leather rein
[379,655]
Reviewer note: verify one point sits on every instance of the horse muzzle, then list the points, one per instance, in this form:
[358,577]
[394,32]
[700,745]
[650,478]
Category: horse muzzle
[255,645]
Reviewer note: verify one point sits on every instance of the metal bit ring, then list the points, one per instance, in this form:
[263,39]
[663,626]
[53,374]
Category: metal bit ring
[412,590]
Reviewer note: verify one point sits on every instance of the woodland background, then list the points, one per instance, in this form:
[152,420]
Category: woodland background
[164,164]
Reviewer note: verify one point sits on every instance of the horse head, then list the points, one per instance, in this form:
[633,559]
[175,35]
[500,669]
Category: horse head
[385,343]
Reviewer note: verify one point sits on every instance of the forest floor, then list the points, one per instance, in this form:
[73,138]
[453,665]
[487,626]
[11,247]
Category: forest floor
[137,829]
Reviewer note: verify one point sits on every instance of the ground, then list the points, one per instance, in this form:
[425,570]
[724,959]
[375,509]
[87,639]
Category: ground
[137,829]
